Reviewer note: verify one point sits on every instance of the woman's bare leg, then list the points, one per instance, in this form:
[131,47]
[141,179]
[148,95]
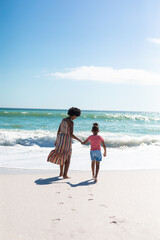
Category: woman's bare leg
[66,167]
[61,171]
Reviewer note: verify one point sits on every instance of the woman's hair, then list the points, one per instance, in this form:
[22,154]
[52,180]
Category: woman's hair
[74,112]
[95,127]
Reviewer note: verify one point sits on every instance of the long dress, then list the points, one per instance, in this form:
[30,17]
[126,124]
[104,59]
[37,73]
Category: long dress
[63,149]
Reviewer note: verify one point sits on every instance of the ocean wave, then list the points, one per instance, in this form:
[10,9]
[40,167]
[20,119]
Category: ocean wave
[132,142]
[32,114]
[107,116]
[47,139]
[27,138]
[123,117]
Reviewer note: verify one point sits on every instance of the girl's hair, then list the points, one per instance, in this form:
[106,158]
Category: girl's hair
[95,127]
[74,112]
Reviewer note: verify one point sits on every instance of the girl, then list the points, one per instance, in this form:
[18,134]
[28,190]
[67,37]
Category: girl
[62,153]
[95,152]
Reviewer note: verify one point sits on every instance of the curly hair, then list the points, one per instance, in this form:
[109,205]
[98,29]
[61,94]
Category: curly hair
[74,112]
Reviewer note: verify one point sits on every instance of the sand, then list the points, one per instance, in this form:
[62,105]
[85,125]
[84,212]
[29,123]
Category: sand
[122,205]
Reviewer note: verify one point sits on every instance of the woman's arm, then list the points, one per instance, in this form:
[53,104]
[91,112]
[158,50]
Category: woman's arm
[71,132]
[104,147]
[57,135]
[58,130]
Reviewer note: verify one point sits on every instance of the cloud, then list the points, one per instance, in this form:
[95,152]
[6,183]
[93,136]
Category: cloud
[154,40]
[108,75]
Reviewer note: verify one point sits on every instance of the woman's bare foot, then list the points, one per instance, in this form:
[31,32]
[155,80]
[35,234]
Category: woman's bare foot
[61,175]
[95,179]
[65,177]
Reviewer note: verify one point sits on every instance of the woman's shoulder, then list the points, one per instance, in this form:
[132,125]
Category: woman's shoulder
[68,120]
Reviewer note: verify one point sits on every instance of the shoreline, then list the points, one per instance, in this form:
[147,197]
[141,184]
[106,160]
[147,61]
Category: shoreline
[6,170]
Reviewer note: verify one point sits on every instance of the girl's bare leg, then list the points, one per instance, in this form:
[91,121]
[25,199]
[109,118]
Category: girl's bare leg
[61,171]
[93,168]
[97,170]
[66,167]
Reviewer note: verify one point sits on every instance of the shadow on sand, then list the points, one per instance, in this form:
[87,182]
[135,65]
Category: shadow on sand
[84,183]
[46,181]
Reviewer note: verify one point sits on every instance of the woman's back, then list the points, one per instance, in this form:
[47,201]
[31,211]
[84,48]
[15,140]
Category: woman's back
[64,127]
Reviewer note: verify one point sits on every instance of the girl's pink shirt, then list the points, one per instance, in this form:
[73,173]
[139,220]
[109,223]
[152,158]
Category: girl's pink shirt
[95,141]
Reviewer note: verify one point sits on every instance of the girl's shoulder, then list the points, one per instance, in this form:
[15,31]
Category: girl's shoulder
[96,136]
[91,136]
[100,137]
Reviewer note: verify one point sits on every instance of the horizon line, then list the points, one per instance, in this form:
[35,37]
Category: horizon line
[65,109]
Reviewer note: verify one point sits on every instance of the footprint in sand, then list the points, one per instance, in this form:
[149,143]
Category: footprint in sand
[69,196]
[117,220]
[103,205]
[73,209]
[56,220]
[61,203]
[90,199]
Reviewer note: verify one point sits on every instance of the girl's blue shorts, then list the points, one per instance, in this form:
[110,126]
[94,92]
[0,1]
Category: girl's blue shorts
[96,155]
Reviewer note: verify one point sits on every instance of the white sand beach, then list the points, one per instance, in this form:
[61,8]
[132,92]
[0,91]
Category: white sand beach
[122,205]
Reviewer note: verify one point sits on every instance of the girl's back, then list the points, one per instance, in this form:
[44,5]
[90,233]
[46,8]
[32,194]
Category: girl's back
[95,141]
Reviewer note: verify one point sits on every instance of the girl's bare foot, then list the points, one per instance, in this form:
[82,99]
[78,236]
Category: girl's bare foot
[95,179]
[61,175]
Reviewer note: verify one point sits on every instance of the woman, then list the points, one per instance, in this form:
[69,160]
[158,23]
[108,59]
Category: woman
[62,153]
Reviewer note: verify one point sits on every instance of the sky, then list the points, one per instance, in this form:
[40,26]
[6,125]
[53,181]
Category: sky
[90,54]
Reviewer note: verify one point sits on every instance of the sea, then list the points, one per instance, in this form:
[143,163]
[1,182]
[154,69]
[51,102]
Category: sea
[28,135]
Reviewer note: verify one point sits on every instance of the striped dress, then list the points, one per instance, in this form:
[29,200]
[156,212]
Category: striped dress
[63,149]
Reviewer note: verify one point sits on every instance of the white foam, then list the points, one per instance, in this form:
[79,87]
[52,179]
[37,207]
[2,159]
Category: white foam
[34,157]
[45,138]
[27,138]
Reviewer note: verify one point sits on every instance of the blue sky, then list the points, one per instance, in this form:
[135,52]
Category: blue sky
[93,54]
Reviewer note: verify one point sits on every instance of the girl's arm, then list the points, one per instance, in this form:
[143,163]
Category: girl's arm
[86,141]
[104,147]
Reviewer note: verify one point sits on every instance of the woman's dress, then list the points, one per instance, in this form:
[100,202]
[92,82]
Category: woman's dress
[63,149]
